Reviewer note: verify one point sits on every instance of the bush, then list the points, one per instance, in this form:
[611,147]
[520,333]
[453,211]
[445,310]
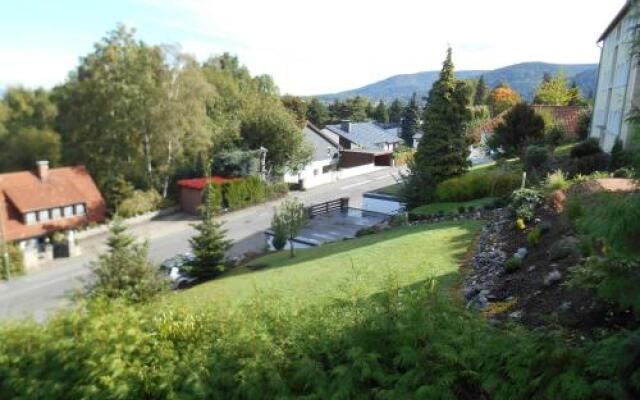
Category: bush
[524,202]
[513,264]
[237,163]
[139,202]
[561,250]
[589,164]
[276,190]
[535,157]
[462,209]
[573,208]
[584,124]
[624,173]
[556,181]
[589,147]
[16,261]
[473,186]
[618,156]
[533,238]
[555,134]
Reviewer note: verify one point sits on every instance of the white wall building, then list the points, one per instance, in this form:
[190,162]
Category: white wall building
[618,80]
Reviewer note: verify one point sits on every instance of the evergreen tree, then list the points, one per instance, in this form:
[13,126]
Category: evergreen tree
[395,111]
[444,149]
[410,121]
[380,113]
[521,126]
[124,271]
[210,244]
[317,113]
[480,96]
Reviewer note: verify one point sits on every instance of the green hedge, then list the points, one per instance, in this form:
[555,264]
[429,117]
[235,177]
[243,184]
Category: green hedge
[16,262]
[495,183]
[245,192]
[139,202]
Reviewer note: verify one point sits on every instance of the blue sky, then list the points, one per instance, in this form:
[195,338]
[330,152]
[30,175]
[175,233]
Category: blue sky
[308,46]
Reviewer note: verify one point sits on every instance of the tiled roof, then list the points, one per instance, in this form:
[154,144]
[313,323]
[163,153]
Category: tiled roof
[323,146]
[365,134]
[566,115]
[23,191]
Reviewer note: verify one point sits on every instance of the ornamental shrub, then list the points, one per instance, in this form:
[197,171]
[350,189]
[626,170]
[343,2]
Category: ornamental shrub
[588,147]
[513,264]
[536,156]
[533,238]
[556,181]
[473,186]
[139,202]
[524,202]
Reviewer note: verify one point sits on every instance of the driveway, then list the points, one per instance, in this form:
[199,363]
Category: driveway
[47,289]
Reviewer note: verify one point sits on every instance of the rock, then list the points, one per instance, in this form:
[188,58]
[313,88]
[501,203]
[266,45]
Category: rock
[521,253]
[552,278]
[531,268]
[515,315]
[471,292]
[566,306]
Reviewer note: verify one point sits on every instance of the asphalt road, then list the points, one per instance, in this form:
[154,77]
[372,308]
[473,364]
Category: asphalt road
[40,292]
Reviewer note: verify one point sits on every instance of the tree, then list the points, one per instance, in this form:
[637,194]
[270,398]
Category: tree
[410,121]
[317,113]
[443,150]
[210,244]
[480,95]
[521,126]
[29,145]
[380,113]
[124,271]
[502,98]
[289,219]
[297,107]
[555,91]
[396,109]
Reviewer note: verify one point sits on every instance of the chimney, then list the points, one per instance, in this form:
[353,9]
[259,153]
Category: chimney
[43,170]
[346,126]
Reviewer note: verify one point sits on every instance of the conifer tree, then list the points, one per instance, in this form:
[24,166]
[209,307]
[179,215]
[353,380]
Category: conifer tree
[380,113]
[395,111]
[410,120]
[480,97]
[444,149]
[210,244]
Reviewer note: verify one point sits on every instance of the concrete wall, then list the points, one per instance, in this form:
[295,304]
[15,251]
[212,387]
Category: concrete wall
[190,200]
[354,171]
[313,174]
[618,85]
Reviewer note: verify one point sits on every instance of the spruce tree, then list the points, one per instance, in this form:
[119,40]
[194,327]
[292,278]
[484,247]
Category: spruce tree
[480,97]
[395,111]
[444,149]
[317,113]
[210,244]
[380,113]
[124,271]
[410,121]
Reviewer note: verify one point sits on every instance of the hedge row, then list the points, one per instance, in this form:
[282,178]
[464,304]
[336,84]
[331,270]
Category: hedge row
[497,183]
[244,192]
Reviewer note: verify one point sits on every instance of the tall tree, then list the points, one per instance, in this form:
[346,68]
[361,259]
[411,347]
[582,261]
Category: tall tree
[521,125]
[297,106]
[410,120]
[555,91]
[396,110]
[317,113]
[380,113]
[502,98]
[444,149]
[480,96]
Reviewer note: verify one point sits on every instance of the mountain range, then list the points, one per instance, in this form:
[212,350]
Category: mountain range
[524,78]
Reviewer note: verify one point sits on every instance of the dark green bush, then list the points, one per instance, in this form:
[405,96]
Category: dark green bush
[533,237]
[555,134]
[589,164]
[524,202]
[588,147]
[513,264]
[477,185]
[536,157]
[561,250]
[624,173]
[618,156]
[584,124]
[462,209]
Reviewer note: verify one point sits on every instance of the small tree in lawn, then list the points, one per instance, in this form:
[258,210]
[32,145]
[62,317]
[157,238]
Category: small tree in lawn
[290,217]
[210,244]
[521,126]
[124,271]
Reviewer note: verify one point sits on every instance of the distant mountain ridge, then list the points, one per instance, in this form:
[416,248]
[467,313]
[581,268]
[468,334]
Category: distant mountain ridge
[523,77]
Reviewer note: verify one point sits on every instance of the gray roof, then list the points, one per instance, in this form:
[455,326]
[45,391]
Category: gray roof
[323,147]
[365,134]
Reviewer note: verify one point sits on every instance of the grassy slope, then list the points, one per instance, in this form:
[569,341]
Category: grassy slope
[451,208]
[411,254]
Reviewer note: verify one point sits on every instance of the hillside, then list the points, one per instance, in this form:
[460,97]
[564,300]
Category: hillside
[523,77]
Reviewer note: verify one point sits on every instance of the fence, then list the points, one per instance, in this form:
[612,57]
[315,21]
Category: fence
[340,204]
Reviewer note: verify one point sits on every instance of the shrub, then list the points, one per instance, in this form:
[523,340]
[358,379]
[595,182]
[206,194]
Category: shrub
[556,181]
[624,173]
[212,198]
[139,202]
[618,156]
[588,147]
[477,185]
[573,208]
[513,264]
[524,202]
[462,209]
[403,156]
[16,262]
[589,164]
[584,124]
[533,238]
[555,134]
[290,217]
[545,227]
[560,250]
[209,246]
[276,190]
[535,157]
[521,125]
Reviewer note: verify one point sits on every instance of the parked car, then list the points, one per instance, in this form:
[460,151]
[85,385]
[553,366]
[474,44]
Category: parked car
[176,269]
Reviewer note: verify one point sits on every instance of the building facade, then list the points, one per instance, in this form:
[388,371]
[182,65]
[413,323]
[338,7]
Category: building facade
[618,80]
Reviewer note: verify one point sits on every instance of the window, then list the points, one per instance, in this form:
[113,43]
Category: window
[56,213]
[43,215]
[30,218]
[68,211]
[79,209]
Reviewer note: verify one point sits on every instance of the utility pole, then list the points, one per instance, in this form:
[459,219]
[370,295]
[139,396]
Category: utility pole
[4,250]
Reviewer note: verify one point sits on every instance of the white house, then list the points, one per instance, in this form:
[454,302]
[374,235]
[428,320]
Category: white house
[323,167]
[618,80]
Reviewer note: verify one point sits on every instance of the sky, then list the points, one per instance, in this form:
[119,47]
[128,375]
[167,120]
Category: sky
[309,47]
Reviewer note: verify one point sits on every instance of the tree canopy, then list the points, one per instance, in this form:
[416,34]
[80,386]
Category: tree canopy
[501,98]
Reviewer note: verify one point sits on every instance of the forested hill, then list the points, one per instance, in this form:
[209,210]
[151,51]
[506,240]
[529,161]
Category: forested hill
[522,77]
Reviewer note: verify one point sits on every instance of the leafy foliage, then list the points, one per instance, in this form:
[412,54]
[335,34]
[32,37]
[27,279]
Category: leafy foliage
[16,262]
[288,220]
[472,186]
[586,148]
[139,202]
[210,244]
[317,113]
[124,271]
[521,126]
[556,91]
[524,202]
[535,157]
[502,98]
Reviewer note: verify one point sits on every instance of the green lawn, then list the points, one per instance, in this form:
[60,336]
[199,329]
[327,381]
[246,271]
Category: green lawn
[451,208]
[564,150]
[358,266]
[392,190]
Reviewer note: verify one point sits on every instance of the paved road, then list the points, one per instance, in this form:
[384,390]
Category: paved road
[40,292]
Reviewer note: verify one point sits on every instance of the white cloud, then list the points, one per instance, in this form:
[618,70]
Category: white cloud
[40,67]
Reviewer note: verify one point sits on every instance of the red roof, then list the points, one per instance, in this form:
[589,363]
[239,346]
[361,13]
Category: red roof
[200,183]
[566,115]
[24,191]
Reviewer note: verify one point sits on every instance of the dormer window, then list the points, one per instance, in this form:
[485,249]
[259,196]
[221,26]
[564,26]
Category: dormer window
[43,215]
[80,209]
[30,218]
[68,211]
[56,213]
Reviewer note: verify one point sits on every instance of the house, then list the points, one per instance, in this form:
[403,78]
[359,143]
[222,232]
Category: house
[324,161]
[618,84]
[191,191]
[36,204]
[364,143]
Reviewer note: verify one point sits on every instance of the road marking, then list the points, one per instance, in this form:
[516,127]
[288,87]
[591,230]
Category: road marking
[356,184]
